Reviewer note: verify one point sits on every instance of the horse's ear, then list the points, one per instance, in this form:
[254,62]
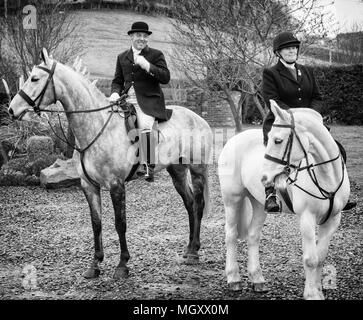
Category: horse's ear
[278,112]
[44,56]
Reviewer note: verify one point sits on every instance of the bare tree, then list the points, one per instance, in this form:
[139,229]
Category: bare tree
[224,44]
[56,30]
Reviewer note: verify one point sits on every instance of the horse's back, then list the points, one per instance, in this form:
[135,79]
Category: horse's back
[185,135]
[242,146]
[185,118]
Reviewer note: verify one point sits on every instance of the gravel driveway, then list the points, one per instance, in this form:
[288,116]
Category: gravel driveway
[48,236]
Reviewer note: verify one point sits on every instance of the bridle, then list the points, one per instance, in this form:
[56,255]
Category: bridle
[118,106]
[289,167]
[34,103]
[287,152]
[36,106]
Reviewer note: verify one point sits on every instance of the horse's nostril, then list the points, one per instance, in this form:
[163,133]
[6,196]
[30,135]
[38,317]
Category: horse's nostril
[264,178]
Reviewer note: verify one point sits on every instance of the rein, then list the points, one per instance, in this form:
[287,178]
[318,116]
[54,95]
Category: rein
[324,194]
[119,103]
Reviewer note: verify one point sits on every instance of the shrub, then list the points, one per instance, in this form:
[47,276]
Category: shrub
[39,146]
[17,133]
[18,179]
[15,165]
[342,90]
[34,167]
[22,172]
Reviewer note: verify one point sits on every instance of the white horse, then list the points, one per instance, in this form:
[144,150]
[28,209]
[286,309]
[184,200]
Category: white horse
[108,156]
[318,188]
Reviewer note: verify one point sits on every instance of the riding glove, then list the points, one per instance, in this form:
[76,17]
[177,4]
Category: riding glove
[142,62]
[113,97]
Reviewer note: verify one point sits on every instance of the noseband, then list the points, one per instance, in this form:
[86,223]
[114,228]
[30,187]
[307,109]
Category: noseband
[33,103]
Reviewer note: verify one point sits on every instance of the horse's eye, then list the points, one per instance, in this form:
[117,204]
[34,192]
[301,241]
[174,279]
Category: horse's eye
[278,140]
[34,79]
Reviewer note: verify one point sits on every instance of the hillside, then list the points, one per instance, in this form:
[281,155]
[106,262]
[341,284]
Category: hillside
[105,36]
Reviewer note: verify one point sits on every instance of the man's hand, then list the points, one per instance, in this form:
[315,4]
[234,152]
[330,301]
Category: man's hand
[113,97]
[142,62]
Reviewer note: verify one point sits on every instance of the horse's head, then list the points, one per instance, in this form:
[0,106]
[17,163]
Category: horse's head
[287,146]
[38,91]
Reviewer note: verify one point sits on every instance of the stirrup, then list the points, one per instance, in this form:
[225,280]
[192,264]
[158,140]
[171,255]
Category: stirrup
[149,175]
[141,171]
[275,209]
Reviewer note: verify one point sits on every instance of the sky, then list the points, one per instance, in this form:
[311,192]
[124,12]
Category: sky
[347,12]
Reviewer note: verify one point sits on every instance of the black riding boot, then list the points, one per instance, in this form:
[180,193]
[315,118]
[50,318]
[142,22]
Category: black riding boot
[147,155]
[272,203]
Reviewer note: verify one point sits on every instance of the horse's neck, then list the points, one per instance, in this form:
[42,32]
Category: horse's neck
[76,93]
[324,149]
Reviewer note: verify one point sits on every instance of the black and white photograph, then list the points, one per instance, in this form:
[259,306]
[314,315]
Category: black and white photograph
[181,157]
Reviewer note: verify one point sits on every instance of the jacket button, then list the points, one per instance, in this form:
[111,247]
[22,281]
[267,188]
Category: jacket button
[299,99]
[299,89]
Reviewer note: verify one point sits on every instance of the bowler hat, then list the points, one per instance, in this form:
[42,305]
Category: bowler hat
[139,26]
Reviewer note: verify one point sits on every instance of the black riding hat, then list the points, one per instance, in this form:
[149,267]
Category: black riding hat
[139,26]
[284,40]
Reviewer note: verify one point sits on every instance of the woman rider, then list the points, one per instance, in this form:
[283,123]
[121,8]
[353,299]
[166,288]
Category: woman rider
[291,85]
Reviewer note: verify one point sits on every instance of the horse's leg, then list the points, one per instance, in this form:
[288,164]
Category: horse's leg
[199,175]
[325,233]
[254,236]
[178,173]
[117,191]
[93,197]
[232,208]
[310,255]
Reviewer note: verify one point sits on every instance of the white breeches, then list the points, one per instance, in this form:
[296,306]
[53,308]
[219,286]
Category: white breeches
[144,121]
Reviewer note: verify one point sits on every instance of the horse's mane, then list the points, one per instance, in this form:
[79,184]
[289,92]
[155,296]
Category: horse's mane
[318,117]
[81,69]
[78,65]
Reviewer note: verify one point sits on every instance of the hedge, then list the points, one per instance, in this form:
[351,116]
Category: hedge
[342,90]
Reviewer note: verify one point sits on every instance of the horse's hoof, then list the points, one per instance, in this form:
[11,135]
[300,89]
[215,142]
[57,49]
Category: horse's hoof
[121,273]
[235,286]
[191,259]
[260,287]
[92,273]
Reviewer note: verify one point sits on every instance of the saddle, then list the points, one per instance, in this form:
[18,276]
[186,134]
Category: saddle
[130,116]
